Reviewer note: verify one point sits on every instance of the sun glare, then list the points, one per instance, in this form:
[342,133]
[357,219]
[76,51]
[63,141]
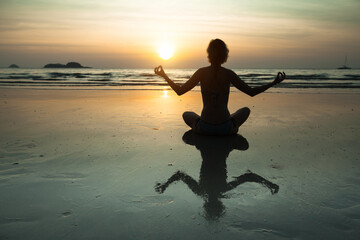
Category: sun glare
[165,94]
[165,51]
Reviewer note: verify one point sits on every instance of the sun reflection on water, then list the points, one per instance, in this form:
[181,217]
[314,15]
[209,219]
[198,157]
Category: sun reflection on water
[165,94]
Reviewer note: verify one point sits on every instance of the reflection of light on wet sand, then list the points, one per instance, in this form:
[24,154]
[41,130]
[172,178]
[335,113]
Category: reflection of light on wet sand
[114,132]
[165,95]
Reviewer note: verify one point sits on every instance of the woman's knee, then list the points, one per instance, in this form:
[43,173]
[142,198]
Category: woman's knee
[245,111]
[186,115]
[240,116]
[191,118]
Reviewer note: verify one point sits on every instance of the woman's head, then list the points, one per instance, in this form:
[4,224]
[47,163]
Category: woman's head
[217,52]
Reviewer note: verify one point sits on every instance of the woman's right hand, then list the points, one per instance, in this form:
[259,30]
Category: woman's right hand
[280,77]
[160,71]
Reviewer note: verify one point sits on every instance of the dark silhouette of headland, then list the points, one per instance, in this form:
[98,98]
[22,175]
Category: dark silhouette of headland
[68,65]
[13,66]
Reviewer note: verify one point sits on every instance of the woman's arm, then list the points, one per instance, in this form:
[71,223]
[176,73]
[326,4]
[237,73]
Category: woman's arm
[190,84]
[253,91]
[192,184]
[252,177]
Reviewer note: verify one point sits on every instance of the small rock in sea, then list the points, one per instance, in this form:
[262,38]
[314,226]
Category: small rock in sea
[13,66]
[170,164]
[68,65]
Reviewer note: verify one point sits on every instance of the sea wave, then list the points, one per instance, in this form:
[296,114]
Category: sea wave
[296,78]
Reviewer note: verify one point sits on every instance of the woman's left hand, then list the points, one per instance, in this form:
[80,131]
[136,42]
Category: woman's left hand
[160,71]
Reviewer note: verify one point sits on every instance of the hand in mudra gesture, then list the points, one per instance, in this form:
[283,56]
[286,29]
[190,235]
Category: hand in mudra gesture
[159,71]
[280,77]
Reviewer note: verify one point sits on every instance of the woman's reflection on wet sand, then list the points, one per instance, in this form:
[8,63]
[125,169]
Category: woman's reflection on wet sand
[212,184]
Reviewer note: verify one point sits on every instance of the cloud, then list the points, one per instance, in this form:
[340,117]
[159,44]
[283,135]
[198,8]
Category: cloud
[133,27]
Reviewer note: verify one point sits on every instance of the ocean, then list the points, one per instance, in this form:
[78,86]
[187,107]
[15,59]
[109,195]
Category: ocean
[145,78]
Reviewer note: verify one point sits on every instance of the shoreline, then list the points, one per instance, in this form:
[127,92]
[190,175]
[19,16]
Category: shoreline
[298,80]
[196,89]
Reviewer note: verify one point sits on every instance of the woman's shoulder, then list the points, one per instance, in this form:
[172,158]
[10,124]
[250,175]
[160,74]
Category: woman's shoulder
[203,69]
[209,69]
[228,71]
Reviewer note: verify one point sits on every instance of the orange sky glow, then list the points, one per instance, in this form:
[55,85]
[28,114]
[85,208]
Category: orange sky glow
[123,34]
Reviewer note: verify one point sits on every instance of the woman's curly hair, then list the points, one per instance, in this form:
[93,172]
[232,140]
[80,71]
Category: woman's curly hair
[217,52]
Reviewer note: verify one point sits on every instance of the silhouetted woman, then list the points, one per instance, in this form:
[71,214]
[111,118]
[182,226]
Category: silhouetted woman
[213,182]
[215,88]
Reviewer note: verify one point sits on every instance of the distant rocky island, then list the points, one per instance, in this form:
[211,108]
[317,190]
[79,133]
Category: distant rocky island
[68,65]
[13,66]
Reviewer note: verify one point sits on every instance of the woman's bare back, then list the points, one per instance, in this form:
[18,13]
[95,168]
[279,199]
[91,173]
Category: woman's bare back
[215,87]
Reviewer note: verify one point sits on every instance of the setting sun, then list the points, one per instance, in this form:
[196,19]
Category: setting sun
[165,51]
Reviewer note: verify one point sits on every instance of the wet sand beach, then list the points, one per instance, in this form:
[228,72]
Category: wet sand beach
[121,164]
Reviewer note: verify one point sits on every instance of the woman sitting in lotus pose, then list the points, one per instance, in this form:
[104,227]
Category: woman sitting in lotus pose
[215,83]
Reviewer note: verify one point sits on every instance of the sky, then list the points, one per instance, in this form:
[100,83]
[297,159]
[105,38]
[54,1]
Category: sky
[127,34]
